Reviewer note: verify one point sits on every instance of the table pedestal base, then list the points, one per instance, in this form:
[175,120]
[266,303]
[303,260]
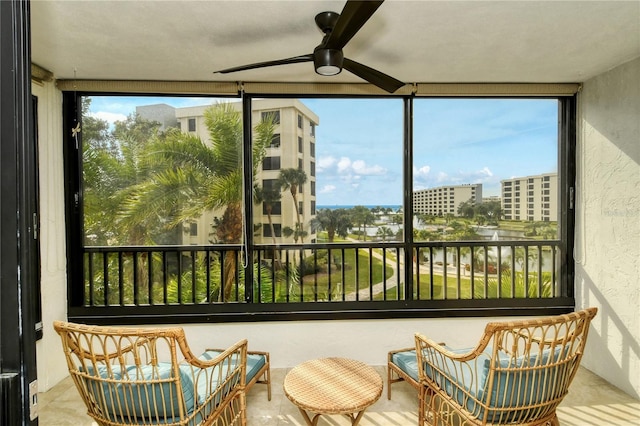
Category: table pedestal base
[355,417]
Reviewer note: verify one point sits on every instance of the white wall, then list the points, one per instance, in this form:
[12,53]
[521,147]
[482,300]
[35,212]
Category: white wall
[49,357]
[608,222]
[292,342]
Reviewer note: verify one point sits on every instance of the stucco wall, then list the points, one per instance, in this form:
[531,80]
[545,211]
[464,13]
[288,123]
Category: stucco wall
[608,222]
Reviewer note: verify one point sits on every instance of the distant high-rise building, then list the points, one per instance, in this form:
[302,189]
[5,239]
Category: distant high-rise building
[533,198]
[292,146]
[162,113]
[445,200]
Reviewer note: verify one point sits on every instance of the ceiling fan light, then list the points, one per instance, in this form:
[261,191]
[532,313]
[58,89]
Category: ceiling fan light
[328,61]
[328,70]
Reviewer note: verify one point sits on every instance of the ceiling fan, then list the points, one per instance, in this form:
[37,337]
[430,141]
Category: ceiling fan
[327,57]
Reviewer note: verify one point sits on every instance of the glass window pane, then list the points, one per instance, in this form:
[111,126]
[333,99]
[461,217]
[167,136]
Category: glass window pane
[475,152]
[353,164]
[480,170]
[147,182]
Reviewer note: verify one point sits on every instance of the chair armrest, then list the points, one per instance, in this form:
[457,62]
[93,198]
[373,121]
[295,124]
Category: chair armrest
[425,343]
[395,351]
[216,380]
[240,346]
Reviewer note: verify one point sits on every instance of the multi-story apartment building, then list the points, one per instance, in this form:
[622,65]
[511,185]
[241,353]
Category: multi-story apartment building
[533,198]
[292,146]
[445,200]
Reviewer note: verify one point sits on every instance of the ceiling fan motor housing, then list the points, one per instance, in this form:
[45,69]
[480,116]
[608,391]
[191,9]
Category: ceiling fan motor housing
[327,61]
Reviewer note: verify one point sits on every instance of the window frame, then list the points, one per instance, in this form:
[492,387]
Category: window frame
[240,312]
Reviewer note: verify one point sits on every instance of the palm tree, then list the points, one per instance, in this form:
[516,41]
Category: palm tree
[291,179]
[297,233]
[363,217]
[191,176]
[333,221]
[384,232]
[269,196]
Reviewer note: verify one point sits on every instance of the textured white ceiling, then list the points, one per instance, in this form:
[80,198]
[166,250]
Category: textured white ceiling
[414,41]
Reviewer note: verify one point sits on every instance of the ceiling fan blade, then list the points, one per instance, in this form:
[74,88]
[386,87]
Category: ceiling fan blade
[382,80]
[353,16]
[293,60]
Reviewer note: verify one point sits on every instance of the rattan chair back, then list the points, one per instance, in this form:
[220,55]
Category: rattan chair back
[518,373]
[148,376]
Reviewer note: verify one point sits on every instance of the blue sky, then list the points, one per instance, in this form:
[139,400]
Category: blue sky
[456,141]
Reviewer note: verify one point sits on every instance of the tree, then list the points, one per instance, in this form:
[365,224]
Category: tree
[268,197]
[333,221]
[298,232]
[384,232]
[112,164]
[362,216]
[190,176]
[291,179]
[467,209]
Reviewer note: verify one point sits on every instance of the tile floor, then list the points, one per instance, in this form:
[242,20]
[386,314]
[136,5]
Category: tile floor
[591,401]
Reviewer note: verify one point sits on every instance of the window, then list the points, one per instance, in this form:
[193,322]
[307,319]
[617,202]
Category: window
[300,121]
[358,173]
[277,230]
[275,141]
[192,124]
[271,184]
[271,163]
[276,208]
[271,115]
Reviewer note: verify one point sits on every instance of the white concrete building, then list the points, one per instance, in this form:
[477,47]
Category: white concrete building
[293,146]
[532,198]
[445,199]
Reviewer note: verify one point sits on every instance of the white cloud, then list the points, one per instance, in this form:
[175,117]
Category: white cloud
[478,176]
[442,176]
[325,163]
[344,164]
[110,117]
[486,171]
[422,171]
[327,189]
[360,168]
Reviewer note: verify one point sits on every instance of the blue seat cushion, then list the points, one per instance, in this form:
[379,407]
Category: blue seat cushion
[458,378]
[525,380]
[157,403]
[407,362]
[148,400]
[514,384]
[254,362]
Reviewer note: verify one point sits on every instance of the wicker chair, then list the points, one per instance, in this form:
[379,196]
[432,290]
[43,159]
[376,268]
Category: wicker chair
[402,366]
[258,368]
[134,376]
[518,373]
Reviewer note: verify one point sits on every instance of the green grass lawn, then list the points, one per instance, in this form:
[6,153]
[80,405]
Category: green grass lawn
[321,285]
[481,290]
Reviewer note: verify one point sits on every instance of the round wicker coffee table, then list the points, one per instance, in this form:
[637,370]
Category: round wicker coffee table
[332,386]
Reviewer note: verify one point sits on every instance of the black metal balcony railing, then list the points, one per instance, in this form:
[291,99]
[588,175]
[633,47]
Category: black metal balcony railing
[214,279]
